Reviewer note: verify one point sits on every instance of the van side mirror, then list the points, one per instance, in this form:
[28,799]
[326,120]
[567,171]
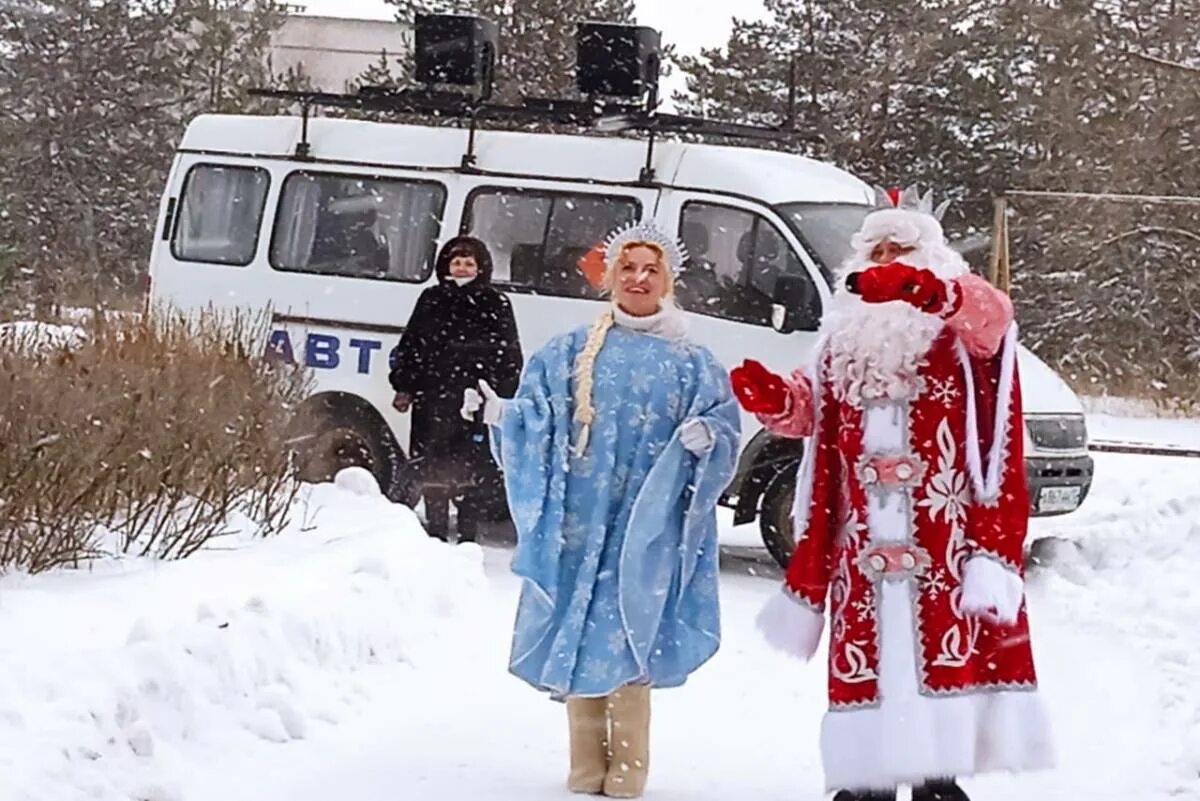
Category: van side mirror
[797,305]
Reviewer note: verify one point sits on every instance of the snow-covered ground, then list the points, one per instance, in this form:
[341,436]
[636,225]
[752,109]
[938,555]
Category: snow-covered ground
[1121,420]
[137,679]
[354,659]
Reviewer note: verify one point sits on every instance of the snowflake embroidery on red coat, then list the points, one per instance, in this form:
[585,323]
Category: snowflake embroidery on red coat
[850,664]
[935,583]
[947,496]
[864,607]
[944,392]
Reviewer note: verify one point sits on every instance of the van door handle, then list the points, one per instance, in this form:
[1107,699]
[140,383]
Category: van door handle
[168,220]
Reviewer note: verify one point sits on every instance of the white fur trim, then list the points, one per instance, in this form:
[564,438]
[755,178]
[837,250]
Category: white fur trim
[696,436]
[990,587]
[986,478]
[922,738]
[669,322]
[902,226]
[805,473]
[790,626]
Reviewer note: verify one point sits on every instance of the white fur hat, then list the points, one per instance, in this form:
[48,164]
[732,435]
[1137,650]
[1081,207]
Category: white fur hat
[904,217]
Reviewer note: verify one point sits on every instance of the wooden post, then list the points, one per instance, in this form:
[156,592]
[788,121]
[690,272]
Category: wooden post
[999,274]
[1005,260]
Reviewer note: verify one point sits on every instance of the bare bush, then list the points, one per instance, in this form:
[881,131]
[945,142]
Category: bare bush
[148,435]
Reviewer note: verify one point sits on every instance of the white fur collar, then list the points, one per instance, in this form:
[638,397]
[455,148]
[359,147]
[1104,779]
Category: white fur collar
[668,322]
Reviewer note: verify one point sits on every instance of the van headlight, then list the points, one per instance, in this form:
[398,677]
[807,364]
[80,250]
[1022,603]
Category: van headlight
[1059,433]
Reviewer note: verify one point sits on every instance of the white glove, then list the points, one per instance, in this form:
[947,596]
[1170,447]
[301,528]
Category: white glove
[695,436]
[790,626]
[486,398]
[991,590]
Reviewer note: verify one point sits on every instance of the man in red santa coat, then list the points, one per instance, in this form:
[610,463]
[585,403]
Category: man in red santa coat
[911,512]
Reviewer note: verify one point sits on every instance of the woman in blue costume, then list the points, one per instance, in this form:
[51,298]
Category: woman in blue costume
[616,448]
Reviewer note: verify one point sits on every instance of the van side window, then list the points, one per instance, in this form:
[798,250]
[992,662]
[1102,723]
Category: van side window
[221,214]
[357,226]
[734,257]
[537,237]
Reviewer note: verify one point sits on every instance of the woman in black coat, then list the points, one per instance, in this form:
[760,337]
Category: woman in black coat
[461,331]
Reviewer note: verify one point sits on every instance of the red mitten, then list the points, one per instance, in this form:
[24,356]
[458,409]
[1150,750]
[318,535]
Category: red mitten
[886,283]
[928,292]
[896,281]
[758,389]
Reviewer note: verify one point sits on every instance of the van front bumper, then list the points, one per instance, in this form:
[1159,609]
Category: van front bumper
[1058,485]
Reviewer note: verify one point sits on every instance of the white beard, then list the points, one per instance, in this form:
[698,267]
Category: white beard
[877,349]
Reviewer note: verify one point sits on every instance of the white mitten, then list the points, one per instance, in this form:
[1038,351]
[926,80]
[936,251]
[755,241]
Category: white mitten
[695,436]
[990,589]
[486,398]
[790,626]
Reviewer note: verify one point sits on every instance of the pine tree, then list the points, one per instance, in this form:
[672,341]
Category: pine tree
[891,91]
[94,94]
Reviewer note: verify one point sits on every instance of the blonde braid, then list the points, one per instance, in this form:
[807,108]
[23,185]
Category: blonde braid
[585,362]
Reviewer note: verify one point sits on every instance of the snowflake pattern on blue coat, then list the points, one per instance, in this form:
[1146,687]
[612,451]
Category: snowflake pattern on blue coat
[617,548]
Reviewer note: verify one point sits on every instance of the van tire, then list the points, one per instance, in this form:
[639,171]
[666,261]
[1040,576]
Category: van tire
[344,437]
[775,516]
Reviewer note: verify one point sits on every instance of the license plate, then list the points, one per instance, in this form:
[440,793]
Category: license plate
[1058,499]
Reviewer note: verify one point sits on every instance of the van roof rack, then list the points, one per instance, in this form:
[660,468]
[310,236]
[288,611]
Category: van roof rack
[600,115]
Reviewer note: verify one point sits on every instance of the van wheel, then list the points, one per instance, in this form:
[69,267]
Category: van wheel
[344,439]
[775,516]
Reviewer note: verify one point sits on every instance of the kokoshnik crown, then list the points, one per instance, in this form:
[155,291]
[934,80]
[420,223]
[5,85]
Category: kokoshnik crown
[910,199]
[645,231]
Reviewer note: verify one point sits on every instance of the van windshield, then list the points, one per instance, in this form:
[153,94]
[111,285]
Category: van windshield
[825,229]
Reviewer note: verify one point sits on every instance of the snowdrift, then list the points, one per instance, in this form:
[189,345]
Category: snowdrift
[120,681]
[1125,565]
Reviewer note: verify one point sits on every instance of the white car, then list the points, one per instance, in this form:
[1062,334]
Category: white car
[338,240]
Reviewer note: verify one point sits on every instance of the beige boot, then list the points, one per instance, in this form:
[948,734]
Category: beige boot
[588,720]
[629,751]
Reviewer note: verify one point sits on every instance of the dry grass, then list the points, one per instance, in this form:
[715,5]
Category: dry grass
[160,430]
